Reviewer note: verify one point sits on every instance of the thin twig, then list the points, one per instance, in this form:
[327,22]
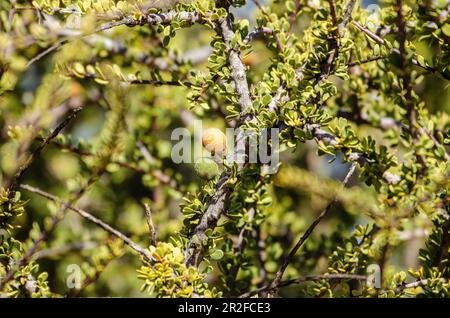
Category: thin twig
[88,216]
[269,18]
[256,33]
[57,251]
[293,16]
[419,283]
[410,109]
[19,174]
[287,260]
[367,60]
[261,256]
[47,51]
[130,21]
[160,83]
[312,278]
[151,227]
[396,51]
[158,174]
[369,33]
[240,244]
[45,233]
[142,81]
[12,12]
[347,16]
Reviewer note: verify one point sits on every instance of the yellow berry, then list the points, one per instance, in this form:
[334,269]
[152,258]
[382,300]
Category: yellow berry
[215,141]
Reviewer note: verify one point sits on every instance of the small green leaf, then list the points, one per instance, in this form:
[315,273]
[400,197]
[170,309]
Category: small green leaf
[216,255]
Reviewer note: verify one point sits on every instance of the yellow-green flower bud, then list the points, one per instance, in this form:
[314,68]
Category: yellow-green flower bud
[206,168]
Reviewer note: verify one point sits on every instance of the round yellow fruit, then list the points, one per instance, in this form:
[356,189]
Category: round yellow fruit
[215,141]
